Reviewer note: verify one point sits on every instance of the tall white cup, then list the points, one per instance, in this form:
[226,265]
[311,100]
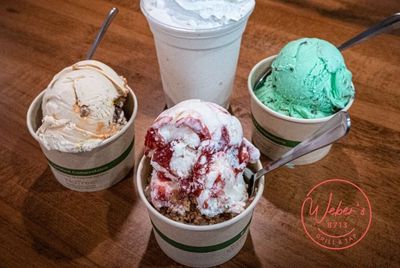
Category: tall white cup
[197,64]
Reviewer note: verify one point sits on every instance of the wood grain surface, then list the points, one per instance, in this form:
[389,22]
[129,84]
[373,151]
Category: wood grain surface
[42,224]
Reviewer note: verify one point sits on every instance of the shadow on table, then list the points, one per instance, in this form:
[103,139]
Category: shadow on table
[155,257]
[66,225]
[247,256]
[121,198]
[287,187]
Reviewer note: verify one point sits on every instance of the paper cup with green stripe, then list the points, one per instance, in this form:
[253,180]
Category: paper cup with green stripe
[97,169]
[197,245]
[274,133]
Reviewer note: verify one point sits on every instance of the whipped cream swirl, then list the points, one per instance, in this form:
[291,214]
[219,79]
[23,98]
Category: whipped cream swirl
[195,14]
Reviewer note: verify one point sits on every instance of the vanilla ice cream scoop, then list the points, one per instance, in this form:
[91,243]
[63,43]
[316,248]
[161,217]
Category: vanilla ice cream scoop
[197,150]
[82,106]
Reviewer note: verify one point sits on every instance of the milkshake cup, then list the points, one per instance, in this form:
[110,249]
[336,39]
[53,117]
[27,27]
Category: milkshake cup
[273,133]
[197,63]
[197,245]
[93,170]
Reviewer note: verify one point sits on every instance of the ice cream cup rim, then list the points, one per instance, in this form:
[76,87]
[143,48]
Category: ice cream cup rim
[189,30]
[198,228]
[39,97]
[279,115]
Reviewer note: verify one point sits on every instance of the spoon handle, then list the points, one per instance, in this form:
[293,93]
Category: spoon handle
[335,128]
[102,31]
[389,23]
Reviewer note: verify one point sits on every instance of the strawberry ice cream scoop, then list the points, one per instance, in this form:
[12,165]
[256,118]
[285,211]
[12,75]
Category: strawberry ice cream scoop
[197,150]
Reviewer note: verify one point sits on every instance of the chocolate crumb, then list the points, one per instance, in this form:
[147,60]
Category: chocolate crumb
[118,116]
[84,111]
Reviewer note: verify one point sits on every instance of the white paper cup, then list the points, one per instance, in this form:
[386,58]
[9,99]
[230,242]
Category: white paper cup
[274,133]
[195,245]
[97,169]
[197,64]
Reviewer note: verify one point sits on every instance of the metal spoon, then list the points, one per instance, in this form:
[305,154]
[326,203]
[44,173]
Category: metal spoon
[390,23]
[102,31]
[335,128]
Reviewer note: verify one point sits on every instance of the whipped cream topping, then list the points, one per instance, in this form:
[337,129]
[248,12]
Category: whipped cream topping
[197,14]
[197,149]
[79,107]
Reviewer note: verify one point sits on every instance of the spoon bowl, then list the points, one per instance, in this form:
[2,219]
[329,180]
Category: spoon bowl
[334,129]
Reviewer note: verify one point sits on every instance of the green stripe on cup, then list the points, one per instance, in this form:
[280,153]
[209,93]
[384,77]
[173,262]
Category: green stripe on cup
[96,170]
[272,137]
[201,249]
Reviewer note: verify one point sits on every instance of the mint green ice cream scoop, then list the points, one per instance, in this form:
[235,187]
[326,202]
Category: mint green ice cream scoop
[309,79]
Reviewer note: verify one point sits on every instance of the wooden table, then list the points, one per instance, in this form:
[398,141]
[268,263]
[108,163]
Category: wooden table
[43,224]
